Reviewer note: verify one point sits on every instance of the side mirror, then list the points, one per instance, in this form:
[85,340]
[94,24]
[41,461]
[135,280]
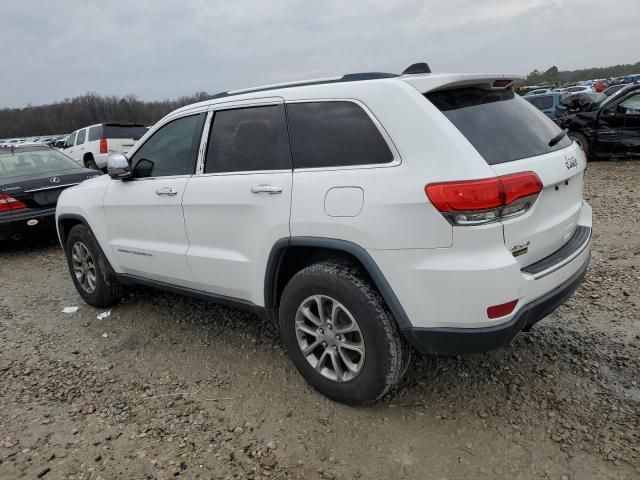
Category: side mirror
[118,166]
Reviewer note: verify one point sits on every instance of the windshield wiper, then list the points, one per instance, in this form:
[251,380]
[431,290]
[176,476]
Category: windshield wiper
[558,137]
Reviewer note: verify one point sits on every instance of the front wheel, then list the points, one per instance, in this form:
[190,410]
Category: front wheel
[339,334]
[90,271]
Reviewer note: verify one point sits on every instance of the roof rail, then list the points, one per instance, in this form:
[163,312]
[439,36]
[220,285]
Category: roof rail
[349,77]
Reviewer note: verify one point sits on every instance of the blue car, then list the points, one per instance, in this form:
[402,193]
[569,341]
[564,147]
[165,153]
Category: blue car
[546,102]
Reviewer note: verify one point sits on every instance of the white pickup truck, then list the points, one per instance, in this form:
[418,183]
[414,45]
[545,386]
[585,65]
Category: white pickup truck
[90,146]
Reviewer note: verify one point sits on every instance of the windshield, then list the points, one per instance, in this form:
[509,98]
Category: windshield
[601,103]
[501,125]
[33,161]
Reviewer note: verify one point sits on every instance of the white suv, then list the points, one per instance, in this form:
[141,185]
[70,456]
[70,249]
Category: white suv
[367,215]
[90,146]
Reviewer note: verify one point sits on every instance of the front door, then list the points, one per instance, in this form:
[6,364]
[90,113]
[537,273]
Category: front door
[630,133]
[238,206]
[144,217]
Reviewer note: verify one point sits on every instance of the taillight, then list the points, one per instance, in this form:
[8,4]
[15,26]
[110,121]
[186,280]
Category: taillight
[103,145]
[474,202]
[7,202]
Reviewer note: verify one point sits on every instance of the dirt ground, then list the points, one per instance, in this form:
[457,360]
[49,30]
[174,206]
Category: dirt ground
[170,387]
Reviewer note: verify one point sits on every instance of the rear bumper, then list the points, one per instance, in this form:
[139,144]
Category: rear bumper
[18,225]
[456,341]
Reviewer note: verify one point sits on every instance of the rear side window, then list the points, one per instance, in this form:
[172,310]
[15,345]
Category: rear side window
[81,135]
[172,150]
[499,124]
[95,133]
[334,134]
[248,139]
[134,132]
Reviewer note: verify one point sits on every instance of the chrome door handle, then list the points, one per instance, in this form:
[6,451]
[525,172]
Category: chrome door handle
[168,191]
[266,189]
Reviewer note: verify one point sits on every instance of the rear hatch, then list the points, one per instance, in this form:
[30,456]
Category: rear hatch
[512,136]
[121,137]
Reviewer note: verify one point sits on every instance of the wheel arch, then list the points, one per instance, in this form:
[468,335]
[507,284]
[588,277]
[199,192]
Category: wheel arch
[289,255]
[65,222]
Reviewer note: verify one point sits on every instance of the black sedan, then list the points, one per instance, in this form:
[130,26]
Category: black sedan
[31,179]
[610,128]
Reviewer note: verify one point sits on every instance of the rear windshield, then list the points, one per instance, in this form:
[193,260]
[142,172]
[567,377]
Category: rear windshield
[123,131]
[501,125]
[35,161]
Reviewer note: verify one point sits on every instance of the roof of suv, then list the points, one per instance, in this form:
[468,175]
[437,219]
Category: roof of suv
[336,87]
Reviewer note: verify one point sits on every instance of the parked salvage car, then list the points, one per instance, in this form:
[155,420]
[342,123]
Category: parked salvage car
[579,102]
[90,146]
[610,128]
[288,200]
[31,180]
[546,102]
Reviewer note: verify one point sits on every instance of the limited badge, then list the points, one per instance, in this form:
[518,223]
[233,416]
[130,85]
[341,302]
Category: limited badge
[518,250]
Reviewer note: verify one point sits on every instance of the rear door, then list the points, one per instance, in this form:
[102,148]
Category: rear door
[144,217]
[238,206]
[513,136]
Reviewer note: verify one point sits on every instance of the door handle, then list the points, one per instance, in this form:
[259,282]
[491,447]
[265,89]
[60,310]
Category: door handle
[270,189]
[168,191]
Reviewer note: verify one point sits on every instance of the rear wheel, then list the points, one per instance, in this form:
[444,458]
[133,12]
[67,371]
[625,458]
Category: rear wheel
[582,141]
[339,334]
[90,270]
[89,162]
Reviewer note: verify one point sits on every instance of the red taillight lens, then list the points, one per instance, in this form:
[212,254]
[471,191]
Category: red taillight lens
[520,185]
[7,202]
[479,201]
[465,196]
[498,311]
[103,145]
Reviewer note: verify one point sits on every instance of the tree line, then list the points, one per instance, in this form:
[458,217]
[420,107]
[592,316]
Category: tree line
[73,113]
[560,77]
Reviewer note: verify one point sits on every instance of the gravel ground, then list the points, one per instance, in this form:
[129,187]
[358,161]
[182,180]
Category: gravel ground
[169,387]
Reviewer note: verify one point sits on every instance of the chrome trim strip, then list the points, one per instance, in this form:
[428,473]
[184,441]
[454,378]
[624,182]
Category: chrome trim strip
[203,143]
[55,187]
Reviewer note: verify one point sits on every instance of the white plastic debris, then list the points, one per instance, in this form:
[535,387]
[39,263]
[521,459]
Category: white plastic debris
[105,334]
[103,315]
[69,309]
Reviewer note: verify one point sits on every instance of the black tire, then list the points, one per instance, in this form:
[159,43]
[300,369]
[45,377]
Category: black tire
[582,141]
[107,290]
[387,354]
[89,162]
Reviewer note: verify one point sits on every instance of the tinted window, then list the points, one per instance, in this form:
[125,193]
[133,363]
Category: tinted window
[70,140]
[542,103]
[499,124]
[81,135]
[331,134]
[248,139]
[134,132]
[95,133]
[172,150]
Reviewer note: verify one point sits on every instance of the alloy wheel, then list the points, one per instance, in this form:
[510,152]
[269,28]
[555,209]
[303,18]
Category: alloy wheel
[329,338]
[84,267]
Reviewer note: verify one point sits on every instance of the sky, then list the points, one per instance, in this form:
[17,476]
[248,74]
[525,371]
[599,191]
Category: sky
[158,49]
